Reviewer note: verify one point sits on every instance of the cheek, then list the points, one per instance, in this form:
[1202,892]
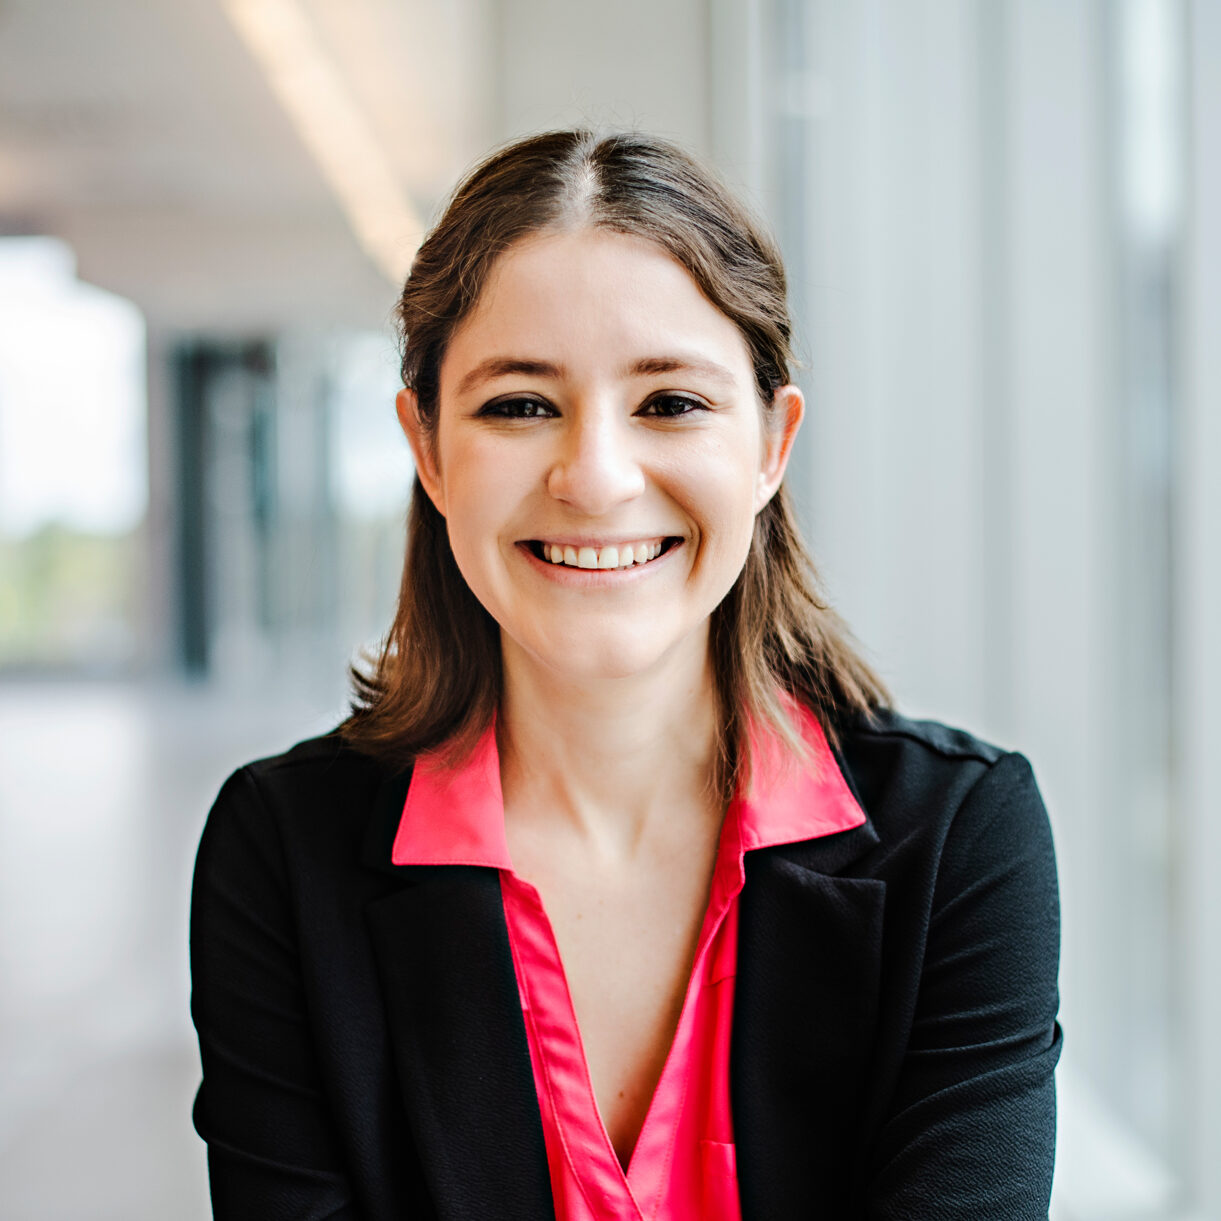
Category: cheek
[485,517]
[475,484]
[465,519]
[720,497]
[472,527]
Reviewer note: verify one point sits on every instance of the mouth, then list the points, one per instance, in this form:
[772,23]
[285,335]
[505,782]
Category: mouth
[612,556]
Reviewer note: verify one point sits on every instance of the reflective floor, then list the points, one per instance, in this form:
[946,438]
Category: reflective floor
[103,793]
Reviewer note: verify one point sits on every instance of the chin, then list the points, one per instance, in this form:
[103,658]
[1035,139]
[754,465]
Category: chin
[602,665]
[623,654]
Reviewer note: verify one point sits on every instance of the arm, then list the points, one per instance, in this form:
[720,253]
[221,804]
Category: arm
[971,1130]
[272,1151]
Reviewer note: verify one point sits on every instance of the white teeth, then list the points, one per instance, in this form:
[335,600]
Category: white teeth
[617,556]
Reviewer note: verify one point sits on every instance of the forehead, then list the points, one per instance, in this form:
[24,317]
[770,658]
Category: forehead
[582,297]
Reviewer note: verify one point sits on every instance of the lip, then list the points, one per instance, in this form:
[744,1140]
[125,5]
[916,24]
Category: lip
[566,575]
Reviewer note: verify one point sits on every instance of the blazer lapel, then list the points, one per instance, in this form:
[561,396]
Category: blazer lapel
[456,1027]
[805,1011]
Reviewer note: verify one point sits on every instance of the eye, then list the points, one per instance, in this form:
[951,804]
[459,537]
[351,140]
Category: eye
[671,406]
[516,409]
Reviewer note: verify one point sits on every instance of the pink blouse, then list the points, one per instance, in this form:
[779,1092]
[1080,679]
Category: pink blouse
[683,1166]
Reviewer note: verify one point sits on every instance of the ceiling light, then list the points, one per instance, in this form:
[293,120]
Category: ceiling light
[333,129]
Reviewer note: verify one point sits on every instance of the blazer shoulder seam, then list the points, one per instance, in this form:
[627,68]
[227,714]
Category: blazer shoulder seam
[322,752]
[983,752]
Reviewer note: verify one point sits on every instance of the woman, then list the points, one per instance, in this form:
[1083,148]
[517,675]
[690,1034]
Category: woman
[622,892]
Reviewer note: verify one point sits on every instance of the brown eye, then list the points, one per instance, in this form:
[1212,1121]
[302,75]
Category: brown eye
[516,409]
[671,406]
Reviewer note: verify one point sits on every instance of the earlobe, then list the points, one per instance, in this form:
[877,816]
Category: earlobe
[779,433]
[422,445]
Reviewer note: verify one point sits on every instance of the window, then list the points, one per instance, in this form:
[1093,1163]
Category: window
[73,465]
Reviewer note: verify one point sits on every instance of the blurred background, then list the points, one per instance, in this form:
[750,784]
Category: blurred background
[1002,220]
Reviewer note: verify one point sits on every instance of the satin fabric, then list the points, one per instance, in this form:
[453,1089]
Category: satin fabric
[683,1164]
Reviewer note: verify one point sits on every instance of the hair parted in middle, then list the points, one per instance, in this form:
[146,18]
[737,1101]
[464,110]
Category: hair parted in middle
[437,680]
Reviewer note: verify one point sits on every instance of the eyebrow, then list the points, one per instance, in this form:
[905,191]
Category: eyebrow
[502,366]
[681,364]
[505,366]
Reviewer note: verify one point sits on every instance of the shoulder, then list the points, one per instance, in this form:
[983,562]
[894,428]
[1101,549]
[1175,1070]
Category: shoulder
[885,729]
[886,752]
[316,770]
[315,798]
[923,781]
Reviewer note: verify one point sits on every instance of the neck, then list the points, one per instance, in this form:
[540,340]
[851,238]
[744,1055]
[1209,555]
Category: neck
[607,759]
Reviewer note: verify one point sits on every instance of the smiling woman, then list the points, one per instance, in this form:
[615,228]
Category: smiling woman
[623,418]
[622,892]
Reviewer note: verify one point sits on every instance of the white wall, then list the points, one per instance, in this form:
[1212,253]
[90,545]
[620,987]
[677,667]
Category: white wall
[1198,571]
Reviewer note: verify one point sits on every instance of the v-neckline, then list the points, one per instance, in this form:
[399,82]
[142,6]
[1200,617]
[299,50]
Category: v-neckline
[558,1049]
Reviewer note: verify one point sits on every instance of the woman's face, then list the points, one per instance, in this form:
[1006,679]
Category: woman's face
[600,453]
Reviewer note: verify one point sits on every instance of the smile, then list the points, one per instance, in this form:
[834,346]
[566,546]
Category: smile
[613,555]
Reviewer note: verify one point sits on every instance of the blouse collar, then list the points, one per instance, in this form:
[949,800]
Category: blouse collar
[455,815]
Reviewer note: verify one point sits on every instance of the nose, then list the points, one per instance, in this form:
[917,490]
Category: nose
[596,467]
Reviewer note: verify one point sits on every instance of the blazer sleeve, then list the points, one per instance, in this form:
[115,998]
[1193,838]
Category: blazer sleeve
[971,1132]
[272,1150]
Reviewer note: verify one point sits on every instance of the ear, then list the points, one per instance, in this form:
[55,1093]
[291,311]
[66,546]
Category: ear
[422,447]
[780,427]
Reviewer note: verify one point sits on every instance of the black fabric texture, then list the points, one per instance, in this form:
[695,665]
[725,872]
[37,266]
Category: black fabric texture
[895,1033]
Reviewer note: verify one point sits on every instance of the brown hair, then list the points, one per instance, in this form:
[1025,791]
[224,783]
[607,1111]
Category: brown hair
[438,676]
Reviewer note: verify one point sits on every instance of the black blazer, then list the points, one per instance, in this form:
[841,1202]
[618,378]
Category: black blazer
[895,1032]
